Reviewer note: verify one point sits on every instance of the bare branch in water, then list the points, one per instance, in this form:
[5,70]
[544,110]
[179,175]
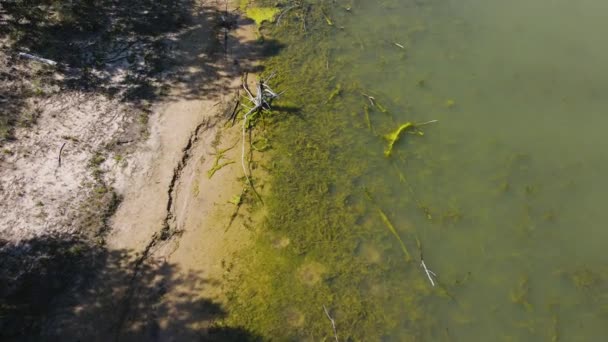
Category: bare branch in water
[261,102]
[333,323]
[430,274]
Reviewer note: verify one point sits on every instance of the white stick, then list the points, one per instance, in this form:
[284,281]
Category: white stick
[37,59]
[333,323]
[258,102]
[428,272]
[426,123]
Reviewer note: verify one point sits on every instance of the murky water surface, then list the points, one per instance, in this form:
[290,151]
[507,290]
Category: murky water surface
[503,198]
[507,192]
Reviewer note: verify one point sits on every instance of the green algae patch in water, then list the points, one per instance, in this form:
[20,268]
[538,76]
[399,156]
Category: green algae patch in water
[392,229]
[506,201]
[393,137]
[262,14]
[321,242]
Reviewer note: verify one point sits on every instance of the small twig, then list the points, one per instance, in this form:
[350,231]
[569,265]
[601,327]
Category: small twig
[430,274]
[235,110]
[333,323]
[61,150]
[370,98]
[399,45]
[426,123]
[261,102]
[285,11]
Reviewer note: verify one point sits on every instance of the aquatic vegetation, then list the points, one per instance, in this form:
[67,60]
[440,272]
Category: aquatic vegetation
[390,226]
[262,14]
[217,164]
[261,144]
[295,318]
[585,279]
[311,273]
[393,137]
[519,295]
[327,19]
[367,118]
[337,91]
[322,240]
[315,216]
[242,5]
[370,253]
[280,242]
[236,199]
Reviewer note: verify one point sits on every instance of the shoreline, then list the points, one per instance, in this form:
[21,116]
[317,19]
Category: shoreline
[156,273]
[180,236]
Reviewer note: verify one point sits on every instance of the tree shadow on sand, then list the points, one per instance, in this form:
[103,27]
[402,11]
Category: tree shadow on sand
[48,292]
[136,50]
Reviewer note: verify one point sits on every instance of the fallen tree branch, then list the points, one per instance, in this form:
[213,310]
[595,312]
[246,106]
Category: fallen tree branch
[37,59]
[333,323]
[430,274]
[261,102]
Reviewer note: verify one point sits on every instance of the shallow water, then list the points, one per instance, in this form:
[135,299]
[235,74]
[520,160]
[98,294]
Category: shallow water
[513,172]
[503,196]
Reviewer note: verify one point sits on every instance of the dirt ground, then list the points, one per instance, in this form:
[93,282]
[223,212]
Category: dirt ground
[166,245]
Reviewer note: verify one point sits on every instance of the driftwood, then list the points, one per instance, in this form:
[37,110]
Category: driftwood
[261,101]
[36,58]
[333,323]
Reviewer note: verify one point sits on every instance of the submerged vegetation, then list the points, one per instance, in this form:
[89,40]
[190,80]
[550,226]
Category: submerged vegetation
[261,14]
[308,251]
[393,137]
[339,217]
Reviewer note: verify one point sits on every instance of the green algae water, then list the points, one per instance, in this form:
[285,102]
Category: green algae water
[502,197]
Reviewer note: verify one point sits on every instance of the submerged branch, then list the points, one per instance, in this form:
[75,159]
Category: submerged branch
[430,274]
[333,323]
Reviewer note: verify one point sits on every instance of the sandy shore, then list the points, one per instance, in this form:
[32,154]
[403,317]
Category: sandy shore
[171,191]
[167,244]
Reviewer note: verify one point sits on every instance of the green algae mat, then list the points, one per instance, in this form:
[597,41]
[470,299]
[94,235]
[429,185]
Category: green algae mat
[436,173]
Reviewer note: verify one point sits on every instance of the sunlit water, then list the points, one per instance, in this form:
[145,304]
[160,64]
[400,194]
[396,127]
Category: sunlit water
[506,193]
